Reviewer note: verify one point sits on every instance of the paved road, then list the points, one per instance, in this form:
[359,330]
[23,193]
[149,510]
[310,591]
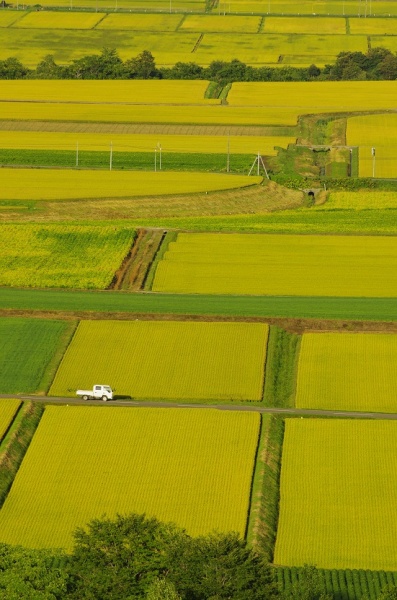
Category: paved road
[303,412]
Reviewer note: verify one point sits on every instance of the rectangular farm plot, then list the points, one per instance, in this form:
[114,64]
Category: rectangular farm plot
[147,22]
[291,265]
[27,349]
[348,371]
[338,493]
[379,132]
[159,359]
[192,467]
[72,256]
[304,25]
[220,23]
[8,409]
[62,20]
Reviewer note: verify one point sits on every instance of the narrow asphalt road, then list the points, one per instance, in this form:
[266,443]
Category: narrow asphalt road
[302,412]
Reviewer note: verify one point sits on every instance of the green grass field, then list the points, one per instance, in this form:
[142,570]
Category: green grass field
[193,468]
[28,352]
[338,488]
[279,265]
[184,360]
[348,372]
[8,410]
[75,256]
[57,184]
[368,309]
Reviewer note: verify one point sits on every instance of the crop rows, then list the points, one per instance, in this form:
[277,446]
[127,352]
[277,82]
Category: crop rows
[279,265]
[348,372]
[75,256]
[222,361]
[343,584]
[193,468]
[8,409]
[338,488]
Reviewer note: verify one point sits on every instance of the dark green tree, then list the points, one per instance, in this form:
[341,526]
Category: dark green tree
[31,574]
[12,68]
[142,66]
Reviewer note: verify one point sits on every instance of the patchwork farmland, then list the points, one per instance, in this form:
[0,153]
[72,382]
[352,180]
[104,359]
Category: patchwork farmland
[210,454]
[138,252]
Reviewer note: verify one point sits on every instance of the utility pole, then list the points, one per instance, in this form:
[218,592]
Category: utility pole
[111,156]
[155,159]
[373,152]
[228,154]
[77,154]
[258,162]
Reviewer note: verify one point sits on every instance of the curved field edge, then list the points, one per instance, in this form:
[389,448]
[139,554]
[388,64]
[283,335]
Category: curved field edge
[18,301]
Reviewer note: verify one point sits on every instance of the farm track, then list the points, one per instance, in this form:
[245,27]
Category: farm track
[227,407]
[141,129]
[292,325]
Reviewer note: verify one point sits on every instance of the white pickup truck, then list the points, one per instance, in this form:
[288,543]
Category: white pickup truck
[98,392]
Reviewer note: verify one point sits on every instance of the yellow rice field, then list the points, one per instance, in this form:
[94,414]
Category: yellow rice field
[8,409]
[362,200]
[140,22]
[59,20]
[348,372]
[160,359]
[373,26]
[258,264]
[338,489]
[325,96]
[190,467]
[238,144]
[220,23]
[147,113]
[379,132]
[62,184]
[331,25]
[9,17]
[114,92]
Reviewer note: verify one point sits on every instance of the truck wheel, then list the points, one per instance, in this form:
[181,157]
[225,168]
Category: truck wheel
[85,397]
[104,398]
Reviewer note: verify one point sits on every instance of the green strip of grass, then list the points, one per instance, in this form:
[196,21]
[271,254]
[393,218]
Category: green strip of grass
[281,366]
[264,535]
[171,161]
[366,309]
[17,445]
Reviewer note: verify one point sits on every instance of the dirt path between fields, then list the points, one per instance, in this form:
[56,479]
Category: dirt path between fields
[289,324]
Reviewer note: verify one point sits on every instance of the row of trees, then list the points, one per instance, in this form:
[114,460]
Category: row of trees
[376,64]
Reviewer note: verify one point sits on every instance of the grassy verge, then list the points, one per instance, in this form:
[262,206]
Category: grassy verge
[281,365]
[262,528]
[363,309]
[170,236]
[16,444]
